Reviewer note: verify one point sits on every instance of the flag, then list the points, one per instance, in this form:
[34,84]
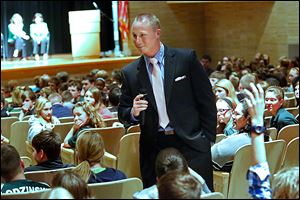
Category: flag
[123,19]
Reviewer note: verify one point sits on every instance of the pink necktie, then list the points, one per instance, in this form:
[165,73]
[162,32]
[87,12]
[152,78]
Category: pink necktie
[159,94]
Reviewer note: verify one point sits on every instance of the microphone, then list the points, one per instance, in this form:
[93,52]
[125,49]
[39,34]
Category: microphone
[95,5]
[143,113]
[102,13]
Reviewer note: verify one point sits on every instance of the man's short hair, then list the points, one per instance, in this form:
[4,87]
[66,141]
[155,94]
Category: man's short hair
[10,162]
[178,185]
[49,142]
[170,159]
[278,91]
[55,98]
[206,57]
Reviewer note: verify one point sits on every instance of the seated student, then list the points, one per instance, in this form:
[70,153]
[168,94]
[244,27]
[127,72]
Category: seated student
[178,185]
[4,111]
[223,152]
[93,96]
[169,159]
[274,100]
[67,99]
[12,172]
[114,98]
[285,183]
[295,85]
[58,109]
[42,120]
[46,152]
[225,109]
[28,97]
[85,116]
[75,89]
[73,183]
[90,150]
[57,193]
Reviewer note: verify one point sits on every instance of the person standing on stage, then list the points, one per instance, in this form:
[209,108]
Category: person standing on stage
[40,36]
[168,92]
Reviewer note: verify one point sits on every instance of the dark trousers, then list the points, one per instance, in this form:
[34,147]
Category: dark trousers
[199,161]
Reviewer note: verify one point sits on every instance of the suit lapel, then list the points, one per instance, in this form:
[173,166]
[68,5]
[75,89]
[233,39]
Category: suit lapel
[145,83]
[169,73]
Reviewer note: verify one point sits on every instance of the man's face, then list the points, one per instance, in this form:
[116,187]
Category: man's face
[146,39]
[272,102]
[75,93]
[205,63]
[86,84]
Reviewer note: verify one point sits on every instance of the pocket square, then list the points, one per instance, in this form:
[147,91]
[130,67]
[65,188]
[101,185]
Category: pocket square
[180,78]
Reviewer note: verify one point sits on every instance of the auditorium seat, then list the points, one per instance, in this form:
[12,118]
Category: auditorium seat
[6,123]
[121,189]
[234,184]
[291,157]
[28,195]
[288,132]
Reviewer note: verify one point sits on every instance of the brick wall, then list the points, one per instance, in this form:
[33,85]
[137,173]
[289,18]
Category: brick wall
[226,28]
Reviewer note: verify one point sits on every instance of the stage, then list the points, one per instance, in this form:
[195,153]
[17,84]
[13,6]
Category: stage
[25,71]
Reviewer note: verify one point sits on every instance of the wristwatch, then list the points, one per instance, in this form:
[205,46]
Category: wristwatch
[258,129]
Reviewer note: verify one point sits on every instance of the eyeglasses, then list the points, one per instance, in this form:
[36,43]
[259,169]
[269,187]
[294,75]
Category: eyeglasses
[223,111]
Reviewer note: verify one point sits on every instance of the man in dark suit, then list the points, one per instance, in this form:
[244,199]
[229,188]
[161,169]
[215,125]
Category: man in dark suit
[180,114]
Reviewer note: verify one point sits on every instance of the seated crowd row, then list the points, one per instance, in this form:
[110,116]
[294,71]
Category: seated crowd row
[234,120]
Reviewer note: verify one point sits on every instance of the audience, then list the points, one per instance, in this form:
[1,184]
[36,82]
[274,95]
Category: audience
[73,183]
[274,100]
[90,150]
[46,152]
[170,159]
[93,97]
[58,109]
[223,152]
[178,185]
[4,111]
[57,193]
[225,109]
[85,116]
[12,172]
[42,120]
[29,99]
[286,182]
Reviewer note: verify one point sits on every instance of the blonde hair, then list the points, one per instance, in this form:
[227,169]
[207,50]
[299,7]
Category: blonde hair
[151,19]
[228,86]
[286,184]
[95,119]
[89,151]
[40,104]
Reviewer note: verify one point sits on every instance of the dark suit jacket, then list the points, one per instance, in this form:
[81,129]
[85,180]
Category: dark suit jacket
[190,101]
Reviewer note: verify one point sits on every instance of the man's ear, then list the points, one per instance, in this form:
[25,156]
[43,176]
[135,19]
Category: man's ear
[22,164]
[281,101]
[41,154]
